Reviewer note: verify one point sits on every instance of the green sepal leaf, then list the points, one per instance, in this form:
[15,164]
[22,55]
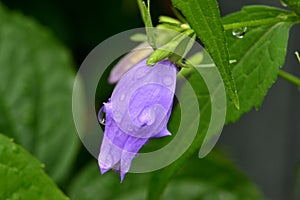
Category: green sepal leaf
[22,176]
[178,46]
[36,82]
[145,13]
[169,20]
[169,27]
[204,17]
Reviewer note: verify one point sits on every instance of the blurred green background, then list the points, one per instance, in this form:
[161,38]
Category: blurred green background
[265,144]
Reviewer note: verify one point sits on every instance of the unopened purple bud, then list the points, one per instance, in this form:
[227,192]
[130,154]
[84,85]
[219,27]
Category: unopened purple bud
[137,54]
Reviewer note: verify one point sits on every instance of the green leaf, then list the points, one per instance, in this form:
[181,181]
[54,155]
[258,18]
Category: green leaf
[204,17]
[208,178]
[259,54]
[22,176]
[293,4]
[36,91]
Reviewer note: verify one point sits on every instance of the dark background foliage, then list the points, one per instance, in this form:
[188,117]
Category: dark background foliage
[264,143]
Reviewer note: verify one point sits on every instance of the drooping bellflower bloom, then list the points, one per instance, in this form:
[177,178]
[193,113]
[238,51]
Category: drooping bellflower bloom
[139,109]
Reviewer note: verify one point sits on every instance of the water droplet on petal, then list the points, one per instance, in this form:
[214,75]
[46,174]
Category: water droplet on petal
[122,97]
[101,116]
[146,117]
[117,116]
[283,3]
[168,80]
[141,72]
[129,127]
[239,32]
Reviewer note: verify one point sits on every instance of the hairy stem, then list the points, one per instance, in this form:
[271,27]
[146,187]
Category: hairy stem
[289,77]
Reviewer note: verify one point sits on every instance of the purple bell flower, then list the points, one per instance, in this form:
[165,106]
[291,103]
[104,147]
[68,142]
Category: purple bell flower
[139,109]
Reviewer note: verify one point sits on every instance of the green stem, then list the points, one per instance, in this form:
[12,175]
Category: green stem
[260,22]
[289,77]
[250,23]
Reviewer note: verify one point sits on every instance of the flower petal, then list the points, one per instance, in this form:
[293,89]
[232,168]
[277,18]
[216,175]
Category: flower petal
[144,96]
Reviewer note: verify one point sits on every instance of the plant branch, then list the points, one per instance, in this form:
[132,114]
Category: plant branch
[289,77]
[260,22]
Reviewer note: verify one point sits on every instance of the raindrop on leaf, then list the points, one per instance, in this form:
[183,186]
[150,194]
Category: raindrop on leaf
[239,32]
